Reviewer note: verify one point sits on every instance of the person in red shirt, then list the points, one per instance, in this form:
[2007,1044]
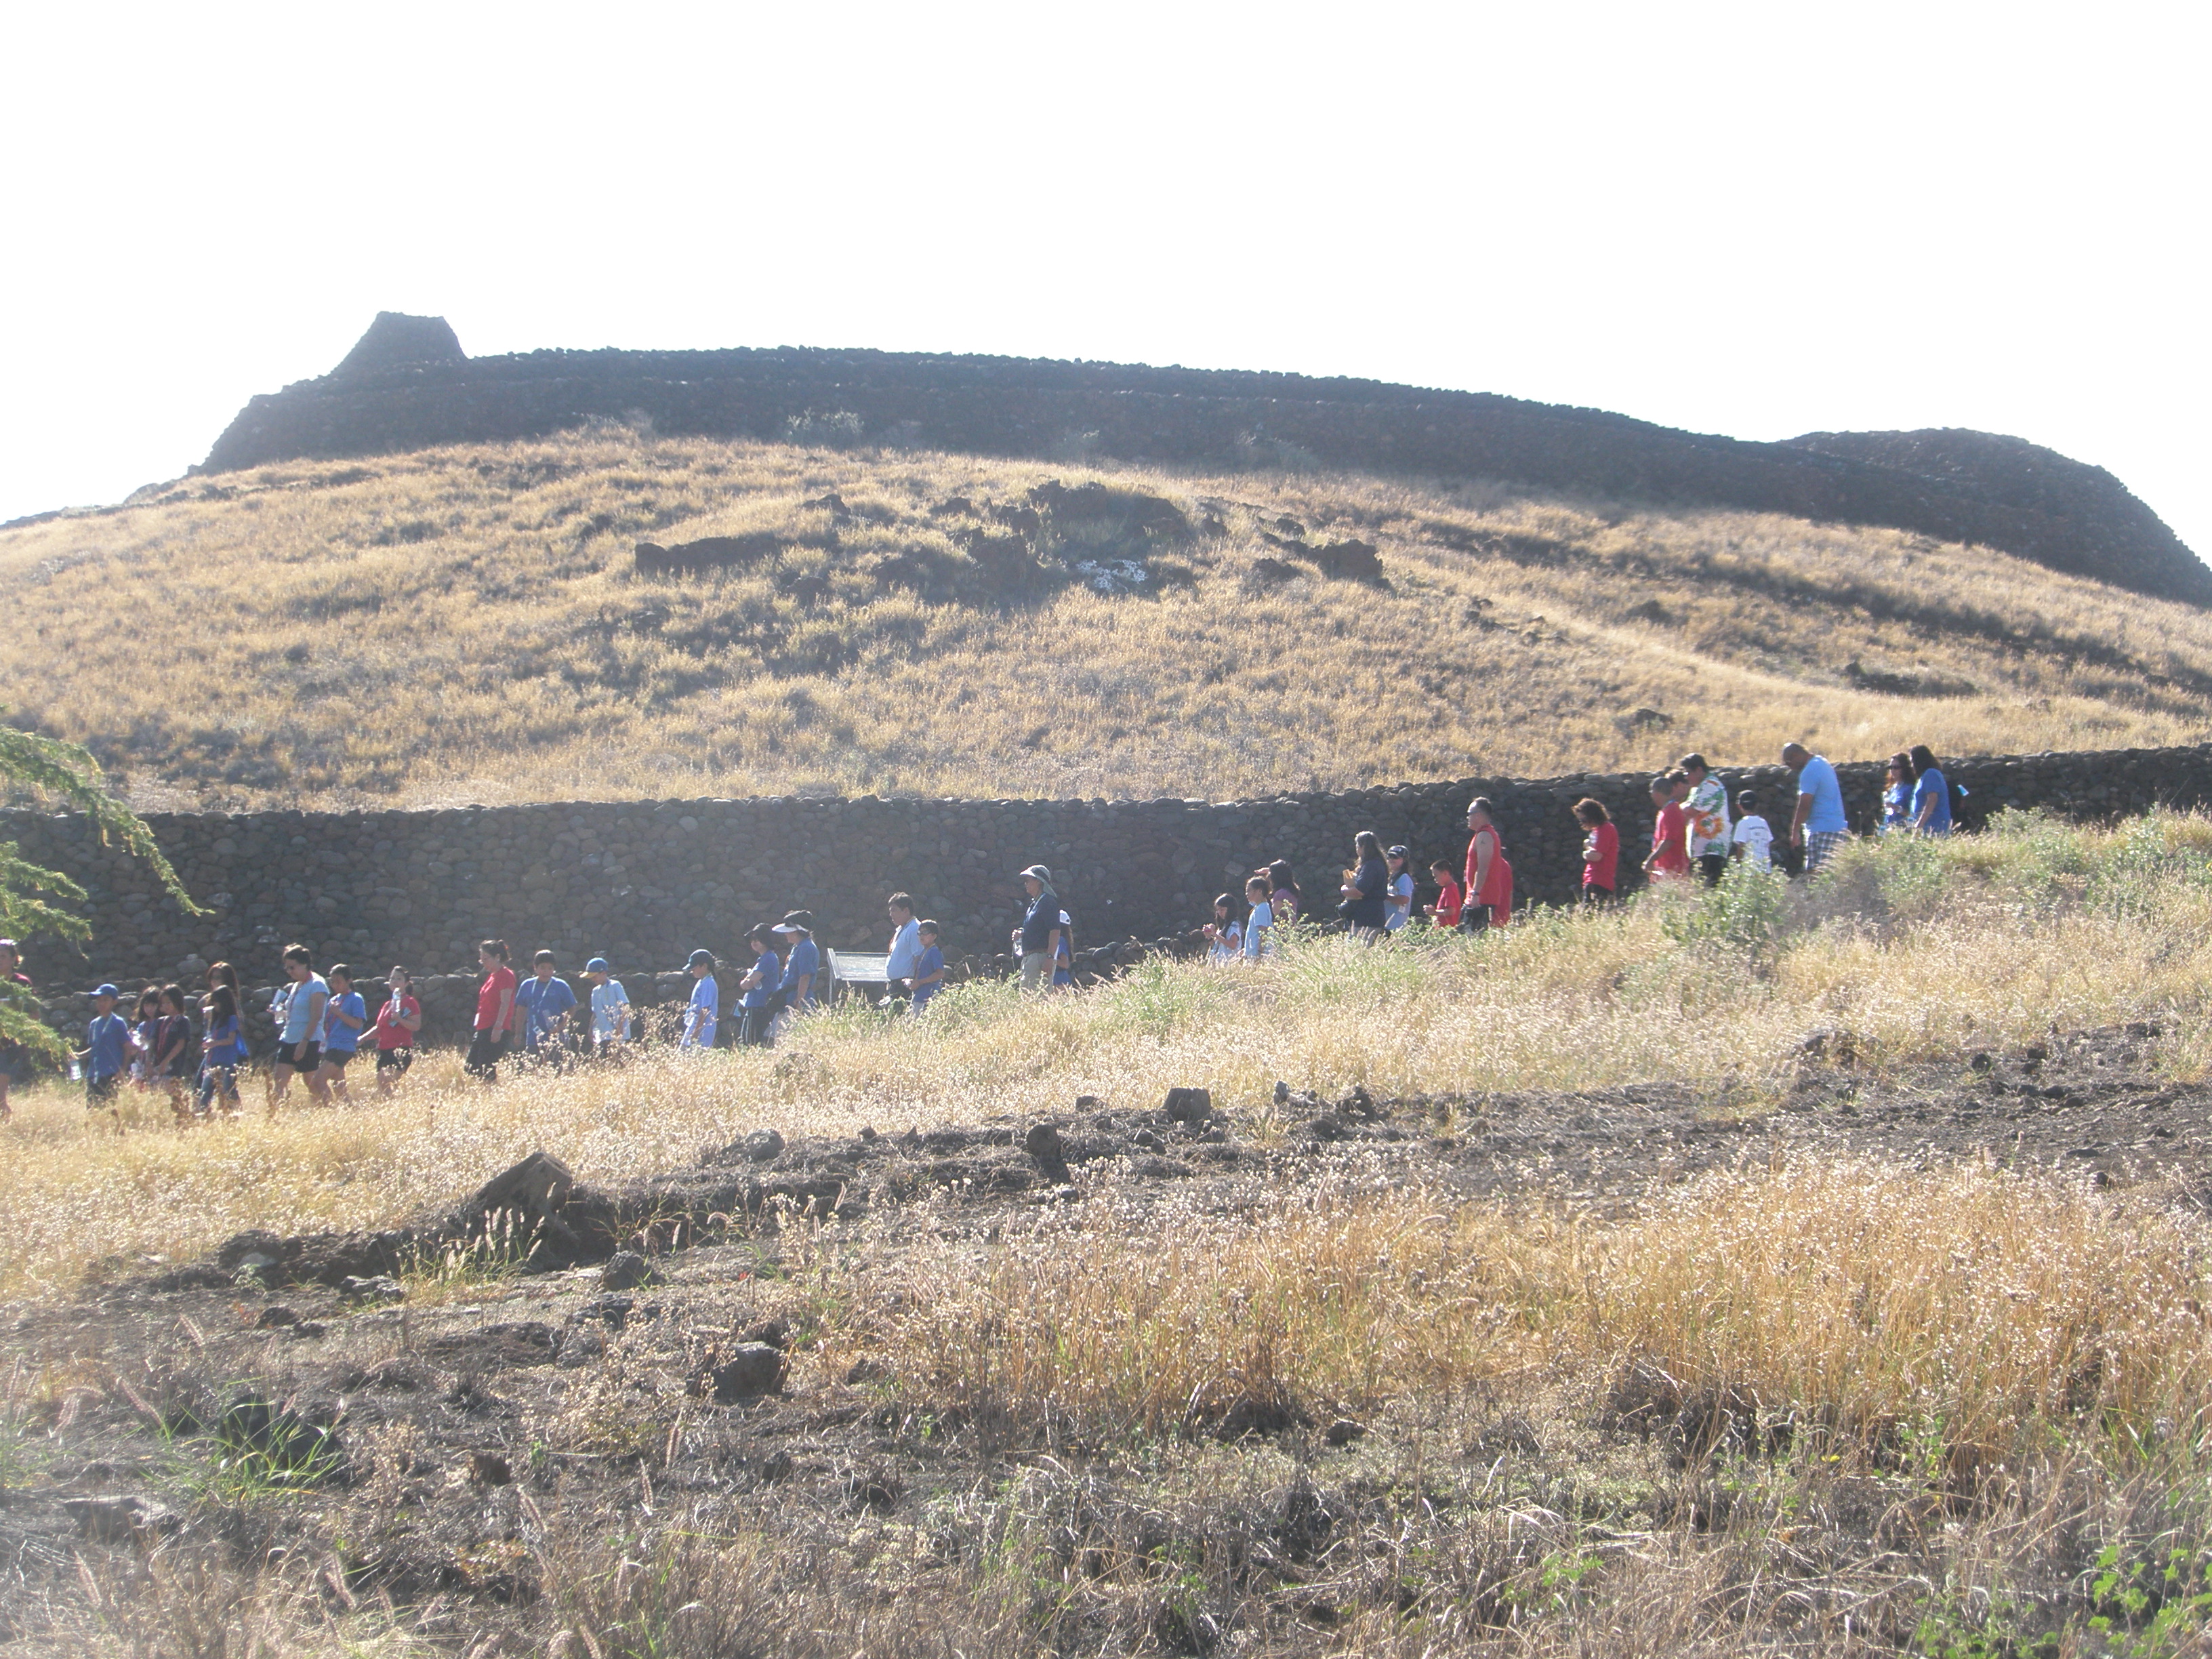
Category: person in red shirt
[494,1010]
[1488,899]
[1670,831]
[1601,851]
[1444,913]
[398,1022]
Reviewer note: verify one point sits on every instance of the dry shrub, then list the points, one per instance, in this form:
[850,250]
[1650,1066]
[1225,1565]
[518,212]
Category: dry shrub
[1942,1318]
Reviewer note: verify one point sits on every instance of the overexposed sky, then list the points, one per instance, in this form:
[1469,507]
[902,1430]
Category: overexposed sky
[1760,220]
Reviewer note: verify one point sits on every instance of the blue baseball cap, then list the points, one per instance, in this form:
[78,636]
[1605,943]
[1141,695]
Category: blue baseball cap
[106,991]
[597,965]
[702,959]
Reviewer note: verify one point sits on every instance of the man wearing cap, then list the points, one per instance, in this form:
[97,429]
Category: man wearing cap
[106,1050]
[610,1007]
[14,1058]
[801,967]
[705,1012]
[1040,933]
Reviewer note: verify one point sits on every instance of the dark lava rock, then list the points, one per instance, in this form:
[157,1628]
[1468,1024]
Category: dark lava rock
[275,1319]
[751,1369]
[763,1146]
[496,1347]
[1344,1431]
[382,1287]
[1042,1143]
[488,1469]
[626,1270]
[115,1517]
[1188,1105]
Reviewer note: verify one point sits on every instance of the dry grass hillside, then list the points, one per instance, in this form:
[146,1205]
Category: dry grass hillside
[467,624]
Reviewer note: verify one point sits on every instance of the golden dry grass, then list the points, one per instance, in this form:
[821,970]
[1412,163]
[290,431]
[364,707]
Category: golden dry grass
[1828,1405]
[463,624]
[2064,928]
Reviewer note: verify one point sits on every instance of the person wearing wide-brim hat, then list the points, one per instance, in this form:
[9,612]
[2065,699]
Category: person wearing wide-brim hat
[1040,933]
[802,968]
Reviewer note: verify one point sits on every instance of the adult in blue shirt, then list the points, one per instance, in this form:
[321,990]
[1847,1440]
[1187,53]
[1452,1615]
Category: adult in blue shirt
[1040,927]
[802,967]
[1819,826]
[1931,794]
[546,1003]
[905,946]
[757,991]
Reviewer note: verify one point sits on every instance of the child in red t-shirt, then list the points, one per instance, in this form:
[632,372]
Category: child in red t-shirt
[1444,913]
[1601,850]
[1670,831]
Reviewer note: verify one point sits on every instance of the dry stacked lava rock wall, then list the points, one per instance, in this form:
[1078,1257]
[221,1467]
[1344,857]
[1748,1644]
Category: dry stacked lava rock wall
[645,882]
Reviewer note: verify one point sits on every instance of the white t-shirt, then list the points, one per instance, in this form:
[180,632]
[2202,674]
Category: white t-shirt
[1399,911]
[1752,834]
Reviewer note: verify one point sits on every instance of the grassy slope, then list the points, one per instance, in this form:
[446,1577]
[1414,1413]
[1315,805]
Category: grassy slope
[462,625]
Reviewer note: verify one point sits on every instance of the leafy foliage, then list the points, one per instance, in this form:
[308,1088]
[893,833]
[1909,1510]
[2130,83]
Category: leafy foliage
[36,900]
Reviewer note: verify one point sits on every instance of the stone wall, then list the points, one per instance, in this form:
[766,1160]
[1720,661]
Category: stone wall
[644,883]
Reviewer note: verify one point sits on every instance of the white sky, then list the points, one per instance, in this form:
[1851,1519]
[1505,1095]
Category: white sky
[1755,219]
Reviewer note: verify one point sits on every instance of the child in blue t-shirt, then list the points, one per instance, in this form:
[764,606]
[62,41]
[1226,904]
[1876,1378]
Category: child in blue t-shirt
[758,988]
[106,1050]
[703,1017]
[928,978]
[345,1015]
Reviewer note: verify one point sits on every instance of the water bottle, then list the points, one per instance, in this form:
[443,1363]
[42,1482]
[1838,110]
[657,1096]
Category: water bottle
[76,1072]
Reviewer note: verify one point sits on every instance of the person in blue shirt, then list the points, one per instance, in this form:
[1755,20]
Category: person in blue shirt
[223,1050]
[610,1007]
[905,945]
[1819,826]
[300,1039]
[757,991]
[1040,929]
[704,1014]
[105,1053]
[1897,796]
[802,968]
[544,1003]
[1931,794]
[929,976]
[345,1015]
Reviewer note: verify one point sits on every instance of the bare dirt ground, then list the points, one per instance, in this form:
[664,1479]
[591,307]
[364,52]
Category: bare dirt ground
[418,1442]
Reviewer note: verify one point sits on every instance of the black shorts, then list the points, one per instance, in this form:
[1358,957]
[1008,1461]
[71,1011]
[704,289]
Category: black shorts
[1593,894]
[17,1067]
[394,1060]
[1714,865]
[485,1052]
[98,1091]
[1474,917]
[335,1058]
[309,1055]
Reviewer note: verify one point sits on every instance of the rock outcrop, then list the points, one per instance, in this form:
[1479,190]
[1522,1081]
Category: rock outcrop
[407,386]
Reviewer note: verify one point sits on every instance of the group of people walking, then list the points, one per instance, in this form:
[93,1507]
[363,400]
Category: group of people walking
[190,1048]
[1699,829]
